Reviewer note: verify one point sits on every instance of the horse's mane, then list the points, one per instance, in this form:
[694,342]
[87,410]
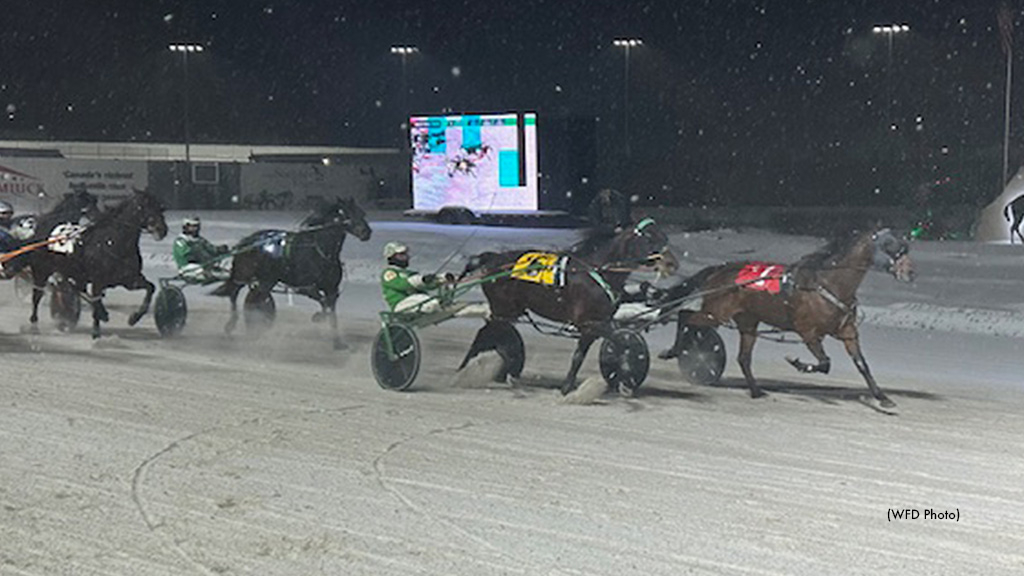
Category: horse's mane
[838,243]
[112,214]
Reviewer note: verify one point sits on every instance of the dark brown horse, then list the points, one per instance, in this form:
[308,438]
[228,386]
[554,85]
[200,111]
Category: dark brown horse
[816,297]
[583,288]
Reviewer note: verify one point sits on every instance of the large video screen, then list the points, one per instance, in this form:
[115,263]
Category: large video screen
[485,162]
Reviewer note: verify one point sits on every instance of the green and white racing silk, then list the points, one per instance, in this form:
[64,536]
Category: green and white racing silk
[398,283]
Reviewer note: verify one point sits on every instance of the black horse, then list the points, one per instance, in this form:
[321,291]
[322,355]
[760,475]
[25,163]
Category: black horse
[306,260]
[583,290]
[34,231]
[1017,207]
[105,254]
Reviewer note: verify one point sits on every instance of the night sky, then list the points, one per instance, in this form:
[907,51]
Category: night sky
[729,101]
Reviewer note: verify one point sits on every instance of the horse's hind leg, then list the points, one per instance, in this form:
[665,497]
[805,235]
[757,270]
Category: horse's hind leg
[1016,227]
[141,282]
[582,347]
[814,345]
[330,308]
[229,326]
[748,337]
[853,349]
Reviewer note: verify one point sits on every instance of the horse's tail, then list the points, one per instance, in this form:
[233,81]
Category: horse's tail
[691,284]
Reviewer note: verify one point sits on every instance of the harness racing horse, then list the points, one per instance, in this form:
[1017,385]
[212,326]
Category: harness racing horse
[106,254]
[34,233]
[306,261]
[585,295]
[816,297]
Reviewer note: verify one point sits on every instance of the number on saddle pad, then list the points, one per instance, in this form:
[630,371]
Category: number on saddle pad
[64,238]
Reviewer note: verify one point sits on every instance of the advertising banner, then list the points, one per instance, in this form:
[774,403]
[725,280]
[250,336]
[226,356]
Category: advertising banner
[37,184]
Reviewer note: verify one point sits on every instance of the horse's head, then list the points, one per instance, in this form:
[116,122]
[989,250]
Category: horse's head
[344,212]
[646,244]
[891,254]
[86,204]
[149,212]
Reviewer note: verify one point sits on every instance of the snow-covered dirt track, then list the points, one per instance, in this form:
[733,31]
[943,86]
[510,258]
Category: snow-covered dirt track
[208,455]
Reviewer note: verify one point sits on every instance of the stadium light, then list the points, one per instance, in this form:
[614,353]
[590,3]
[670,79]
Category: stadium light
[185,49]
[404,51]
[626,43]
[890,30]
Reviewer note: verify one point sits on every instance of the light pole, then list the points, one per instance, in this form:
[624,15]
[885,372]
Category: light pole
[626,43]
[185,50]
[404,52]
[890,30]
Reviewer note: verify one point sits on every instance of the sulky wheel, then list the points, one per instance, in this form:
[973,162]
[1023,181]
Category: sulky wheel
[65,304]
[395,357]
[170,311]
[625,360]
[701,354]
[259,311]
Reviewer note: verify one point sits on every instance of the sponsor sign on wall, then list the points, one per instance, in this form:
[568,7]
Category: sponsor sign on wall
[300,186]
[36,184]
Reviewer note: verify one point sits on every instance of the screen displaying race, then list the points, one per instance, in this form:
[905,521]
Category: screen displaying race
[484,162]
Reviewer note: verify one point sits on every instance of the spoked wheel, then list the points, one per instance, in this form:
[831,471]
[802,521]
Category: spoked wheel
[259,311]
[396,357]
[702,354]
[170,311]
[65,304]
[625,360]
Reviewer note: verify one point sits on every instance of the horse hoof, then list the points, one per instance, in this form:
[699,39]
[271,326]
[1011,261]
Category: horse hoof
[668,354]
[758,393]
[134,319]
[886,403]
[567,388]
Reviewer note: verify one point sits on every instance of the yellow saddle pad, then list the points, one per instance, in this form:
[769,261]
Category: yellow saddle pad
[540,267]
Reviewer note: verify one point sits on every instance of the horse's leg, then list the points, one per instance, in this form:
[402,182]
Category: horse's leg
[141,283]
[99,311]
[329,304]
[852,343]
[229,327]
[1017,219]
[38,290]
[582,347]
[814,345]
[748,337]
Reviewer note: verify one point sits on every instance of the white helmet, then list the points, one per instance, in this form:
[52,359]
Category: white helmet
[190,221]
[392,248]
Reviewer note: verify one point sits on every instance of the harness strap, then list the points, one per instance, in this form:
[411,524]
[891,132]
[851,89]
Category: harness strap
[604,286]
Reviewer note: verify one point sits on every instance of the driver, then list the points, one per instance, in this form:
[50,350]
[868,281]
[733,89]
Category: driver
[7,240]
[197,258]
[405,290]
[6,215]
